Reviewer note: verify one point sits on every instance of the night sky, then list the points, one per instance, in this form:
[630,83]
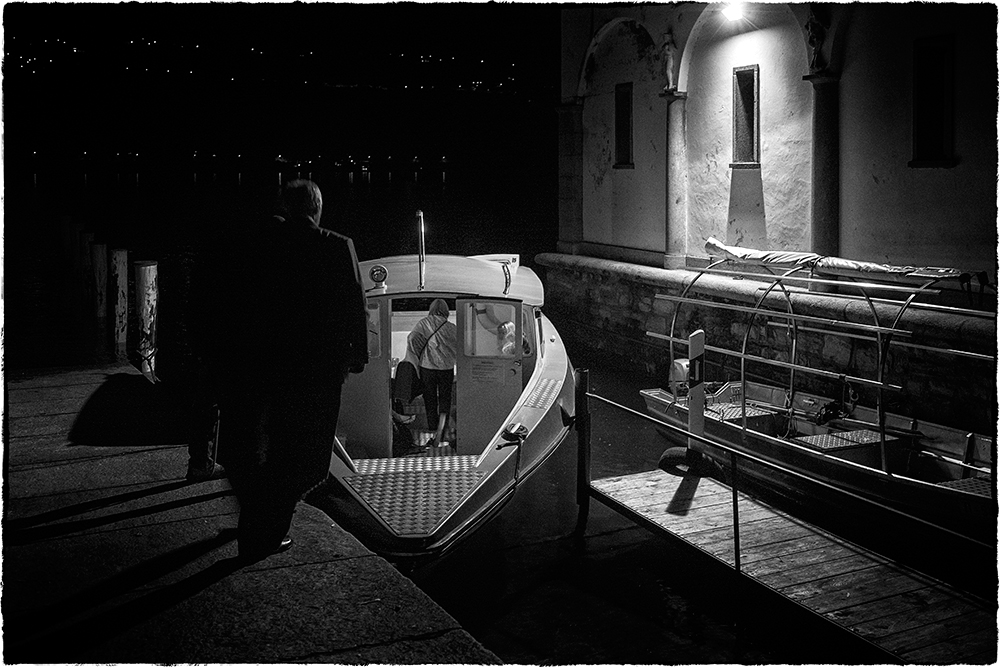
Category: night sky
[172,80]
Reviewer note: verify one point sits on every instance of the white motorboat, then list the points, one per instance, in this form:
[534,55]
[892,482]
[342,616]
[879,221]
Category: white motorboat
[512,408]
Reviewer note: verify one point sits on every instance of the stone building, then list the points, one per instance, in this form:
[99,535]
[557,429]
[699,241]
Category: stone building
[865,131]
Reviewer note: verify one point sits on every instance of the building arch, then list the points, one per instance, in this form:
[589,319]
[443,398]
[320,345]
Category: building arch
[623,199]
[603,33]
[762,203]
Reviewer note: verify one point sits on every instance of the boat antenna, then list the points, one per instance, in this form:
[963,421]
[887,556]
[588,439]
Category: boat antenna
[421,253]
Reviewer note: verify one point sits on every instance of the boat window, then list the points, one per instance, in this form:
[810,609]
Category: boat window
[526,331]
[419,304]
[539,334]
[490,330]
[374,330]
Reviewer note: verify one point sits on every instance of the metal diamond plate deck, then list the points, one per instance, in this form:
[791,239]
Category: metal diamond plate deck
[543,394]
[829,442]
[415,463]
[413,502]
[732,411]
[977,485]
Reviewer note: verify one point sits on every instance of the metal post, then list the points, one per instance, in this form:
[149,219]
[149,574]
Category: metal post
[696,387]
[583,457]
[734,460]
[421,255]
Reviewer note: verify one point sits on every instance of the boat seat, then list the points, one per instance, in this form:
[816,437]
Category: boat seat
[729,412]
[757,419]
[981,486]
[832,442]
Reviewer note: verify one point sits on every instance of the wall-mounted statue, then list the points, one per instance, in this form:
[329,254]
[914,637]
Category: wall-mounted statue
[816,33]
[668,54]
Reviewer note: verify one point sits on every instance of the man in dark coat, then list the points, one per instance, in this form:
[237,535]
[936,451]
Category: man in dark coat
[295,326]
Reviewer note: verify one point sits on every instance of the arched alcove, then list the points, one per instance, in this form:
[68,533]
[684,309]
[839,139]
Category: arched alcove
[762,200]
[623,192]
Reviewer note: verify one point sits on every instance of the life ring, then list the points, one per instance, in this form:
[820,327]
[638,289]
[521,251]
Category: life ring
[682,462]
[677,461]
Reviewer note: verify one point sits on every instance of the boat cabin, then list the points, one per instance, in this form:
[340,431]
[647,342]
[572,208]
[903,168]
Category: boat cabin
[491,303]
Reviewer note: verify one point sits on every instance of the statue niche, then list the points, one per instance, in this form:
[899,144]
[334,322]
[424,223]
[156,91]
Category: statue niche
[815,35]
[668,56]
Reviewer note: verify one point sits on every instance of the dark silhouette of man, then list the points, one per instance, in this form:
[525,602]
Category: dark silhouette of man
[293,326]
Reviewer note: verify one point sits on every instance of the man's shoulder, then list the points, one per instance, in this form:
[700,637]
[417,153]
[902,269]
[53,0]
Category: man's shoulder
[330,240]
[333,236]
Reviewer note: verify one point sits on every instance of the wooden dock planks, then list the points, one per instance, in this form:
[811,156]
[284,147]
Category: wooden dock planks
[913,616]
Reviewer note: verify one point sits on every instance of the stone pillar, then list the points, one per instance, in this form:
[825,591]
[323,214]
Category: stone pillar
[83,278]
[119,295]
[99,268]
[99,293]
[146,297]
[677,241]
[570,177]
[825,229]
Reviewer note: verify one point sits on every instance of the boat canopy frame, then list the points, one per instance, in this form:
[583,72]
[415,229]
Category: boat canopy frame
[884,335]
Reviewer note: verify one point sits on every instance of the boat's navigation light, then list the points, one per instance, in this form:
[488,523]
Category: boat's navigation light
[378,274]
[513,434]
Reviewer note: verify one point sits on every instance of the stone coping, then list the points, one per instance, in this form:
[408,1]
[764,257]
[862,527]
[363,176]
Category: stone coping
[967,332]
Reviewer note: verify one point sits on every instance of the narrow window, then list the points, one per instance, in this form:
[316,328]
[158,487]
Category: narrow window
[933,101]
[623,125]
[746,116]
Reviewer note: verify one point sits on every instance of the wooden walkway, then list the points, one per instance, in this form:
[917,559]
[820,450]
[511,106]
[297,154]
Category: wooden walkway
[916,618]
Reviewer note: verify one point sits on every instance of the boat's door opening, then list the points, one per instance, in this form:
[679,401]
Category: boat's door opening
[489,368]
[405,315]
[365,426]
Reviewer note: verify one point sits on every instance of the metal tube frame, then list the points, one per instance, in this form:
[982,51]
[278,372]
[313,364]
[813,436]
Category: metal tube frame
[883,335]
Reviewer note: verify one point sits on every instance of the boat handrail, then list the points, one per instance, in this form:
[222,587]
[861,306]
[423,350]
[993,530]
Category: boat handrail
[784,364]
[901,343]
[953,461]
[918,305]
[825,281]
[845,423]
[584,488]
[791,316]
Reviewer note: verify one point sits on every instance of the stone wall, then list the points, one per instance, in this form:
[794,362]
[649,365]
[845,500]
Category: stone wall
[606,308]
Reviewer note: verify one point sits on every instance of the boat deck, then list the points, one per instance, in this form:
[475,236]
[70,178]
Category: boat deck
[914,617]
[390,487]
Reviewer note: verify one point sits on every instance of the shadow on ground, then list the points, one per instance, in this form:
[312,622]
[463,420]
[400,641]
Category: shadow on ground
[129,410]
